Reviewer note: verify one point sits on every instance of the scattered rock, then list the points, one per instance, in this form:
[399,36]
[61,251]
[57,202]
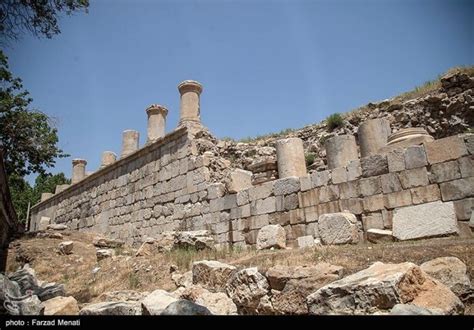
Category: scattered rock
[393,284]
[57,226]
[66,247]
[450,271]
[338,228]
[408,309]
[49,235]
[104,253]
[112,308]
[165,241]
[185,307]
[271,236]
[182,280]
[61,306]
[212,275]
[122,295]
[246,287]
[103,242]
[199,240]
[146,249]
[156,302]
[305,241]
[51,290]
[218,303]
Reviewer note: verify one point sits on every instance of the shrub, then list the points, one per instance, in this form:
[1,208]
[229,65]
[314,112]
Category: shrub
[309,157]
[334,120]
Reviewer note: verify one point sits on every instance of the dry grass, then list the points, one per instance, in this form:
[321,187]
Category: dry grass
[127,272]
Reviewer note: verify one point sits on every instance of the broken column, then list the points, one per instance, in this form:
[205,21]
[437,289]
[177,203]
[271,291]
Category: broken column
[373,135]
[340,150]
[290,157]
[108,157]
[78,170]
[156,122]
[129,142]
[190,91]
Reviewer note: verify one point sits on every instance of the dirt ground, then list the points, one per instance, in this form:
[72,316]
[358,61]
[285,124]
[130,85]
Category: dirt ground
[85,278]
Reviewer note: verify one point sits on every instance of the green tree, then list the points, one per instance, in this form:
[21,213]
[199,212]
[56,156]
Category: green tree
[21,193]
[38,17]
[47,183]
[27,136]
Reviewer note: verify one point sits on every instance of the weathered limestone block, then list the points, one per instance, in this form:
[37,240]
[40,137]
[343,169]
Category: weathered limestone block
[354,205]
[212,275]
[466,165]
[112,308]
[261,191]
[105,242]
[305,241]
[398,199]
[450,271]
[373,135]
[328,193]
[199,240]
[354,170]
[104,254]
[238,180]
[464,208]
[78,170]
[130,140]
[349,189]
[370,186]
[338,228]
[469,140]
[66,247]
[271,236]
[340,150]
[156,302]
[218,303]
[156,122]
[457,189]
[61,306]
[320,178]
[247,287]
[379,235]
[396,160]
[425,194]
[44,223]
[108,158]
[424,220]
[286,186]
[263,206]
[290,157]
[445,149]
[393,283]
[415,157]
[390,183]
[57,226]
[414,178]
[374,165]
[372,221]
[444,172]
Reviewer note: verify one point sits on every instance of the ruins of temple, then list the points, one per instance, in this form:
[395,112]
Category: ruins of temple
[399,186]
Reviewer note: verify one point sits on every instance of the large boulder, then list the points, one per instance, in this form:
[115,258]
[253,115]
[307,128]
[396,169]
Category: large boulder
[211,274]
[185,307]
[424,220]
[218,303]
[13,302]
[291,285]
[50,290]
[379,288]
[199,240]
[61,306]
[112,308]
[271,236]
[246,287]
[338,228]
[450,271]
[156,302]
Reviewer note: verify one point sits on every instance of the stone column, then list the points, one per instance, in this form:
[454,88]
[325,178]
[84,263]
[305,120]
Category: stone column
[78,170]
[373,135]
[290,157]
[340,150]
[189,113]
[45,196]
[129,142]
[108,157]
[156,122]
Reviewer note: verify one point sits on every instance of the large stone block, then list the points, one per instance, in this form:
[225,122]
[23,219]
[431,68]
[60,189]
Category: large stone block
[328,193]
[425,194]
[238,180]
[271,236]
[349,189]
[398,199]
[415,157]
[374,203]
[338,228]
[286,186]
[212,275]
[339,175]
[370,186]
[372,221]
[457,189]
[445,149]
[374,165]
[414,178]
[464,208]
[263,206]
[466,165]
[261,191]
[308,198]
[444,172]
[396,160]
[354,170]
[353,205]
[390,183]
[320,178]
[424,220]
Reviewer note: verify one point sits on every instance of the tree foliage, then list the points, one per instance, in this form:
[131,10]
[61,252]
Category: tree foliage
[22,193]
[38,17]
[28,136]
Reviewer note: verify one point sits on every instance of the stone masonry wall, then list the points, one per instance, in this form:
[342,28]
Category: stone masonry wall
[167,186]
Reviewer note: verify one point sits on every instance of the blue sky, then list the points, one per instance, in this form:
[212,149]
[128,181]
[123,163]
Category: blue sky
[266,65]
